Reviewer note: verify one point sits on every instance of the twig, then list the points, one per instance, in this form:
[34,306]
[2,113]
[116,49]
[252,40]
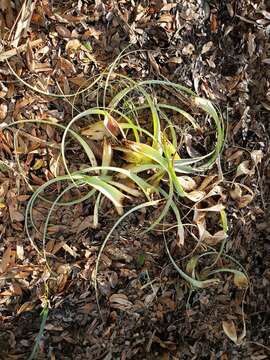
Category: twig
[9,53]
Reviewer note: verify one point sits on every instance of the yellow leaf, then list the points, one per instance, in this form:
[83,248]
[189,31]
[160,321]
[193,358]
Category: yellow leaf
[230,330]
[191,265]
[27,306]
[240,280]
[95,131]
[169,149]
[38,164]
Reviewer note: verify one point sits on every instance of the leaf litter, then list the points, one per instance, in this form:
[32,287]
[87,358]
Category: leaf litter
[220,51]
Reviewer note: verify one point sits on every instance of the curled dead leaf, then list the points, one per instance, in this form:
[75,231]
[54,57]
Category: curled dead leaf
[230,330]
[244,200]
[27,306]
[120,299]
[95,131]
[195,195]
[187,183]
[207,47]
[3,111]
[244,169]
[240,280]
[257,156]
[236,193]
[113,127]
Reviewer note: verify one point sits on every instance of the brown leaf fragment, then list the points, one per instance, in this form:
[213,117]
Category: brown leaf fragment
[87,223]
[10,53]
[230,330]
[6,259]
[30,57]
[207,47]
[251,43]
[27,306]
[245,200]
[257,156]
[214,23]
[63,31]
[3,111]
[244,169]
[120,299]
[240,280]
[66,66]
[51,327]
[20,252]
[112,126]
[23,21]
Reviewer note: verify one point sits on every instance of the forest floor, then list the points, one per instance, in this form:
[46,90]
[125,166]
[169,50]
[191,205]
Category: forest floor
[219,49]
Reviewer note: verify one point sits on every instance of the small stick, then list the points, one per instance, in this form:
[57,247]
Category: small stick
[9,53]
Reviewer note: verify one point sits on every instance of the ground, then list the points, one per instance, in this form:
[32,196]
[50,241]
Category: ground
[219,49]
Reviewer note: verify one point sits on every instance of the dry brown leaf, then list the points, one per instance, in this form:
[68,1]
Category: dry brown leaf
[20,252]
[86,224]
[66,66]
[113,127]
[244,200]
[207,47]
[240,280]
[244,169]
[118,253]
[215,208]
[187,183]
[16,289]
[30,57]
[23,21]
[120,299]
[16,215]
[95,131]
[230,330]
[257,156]
[68,249]
[72,47]
[27,306]
[195,195]
[63,31]
[6,259]
[188,50]
[214,23]
[92,32]
[3,110]
[51,327]
[236,193]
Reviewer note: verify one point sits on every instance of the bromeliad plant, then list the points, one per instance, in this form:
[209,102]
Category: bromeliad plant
[141,156]
[138,159]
